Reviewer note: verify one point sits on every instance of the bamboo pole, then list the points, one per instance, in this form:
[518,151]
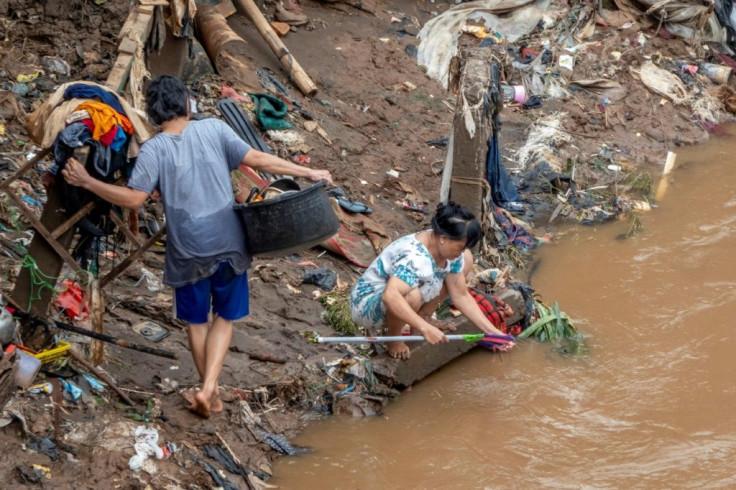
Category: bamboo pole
[668,165]
[293,68]
[81,360]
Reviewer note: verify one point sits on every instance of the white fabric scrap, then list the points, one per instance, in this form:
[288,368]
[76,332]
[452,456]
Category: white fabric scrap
[439,35]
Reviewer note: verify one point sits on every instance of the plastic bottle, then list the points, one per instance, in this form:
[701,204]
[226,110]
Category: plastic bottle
[513,93]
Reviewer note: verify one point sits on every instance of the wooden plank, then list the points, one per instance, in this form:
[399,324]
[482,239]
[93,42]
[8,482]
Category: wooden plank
[119,72]
[40,228]
[127,46]
[137,26]
[26,166]
[61,229]
[469,151]
[132,257]
[124,228]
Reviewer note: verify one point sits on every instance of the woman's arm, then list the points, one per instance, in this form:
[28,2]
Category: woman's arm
[461,299]
[394,297]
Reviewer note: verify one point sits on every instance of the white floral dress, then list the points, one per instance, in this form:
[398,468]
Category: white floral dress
[409,260]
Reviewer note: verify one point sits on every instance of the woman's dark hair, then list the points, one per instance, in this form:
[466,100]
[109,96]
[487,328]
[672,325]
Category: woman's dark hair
[167,98]
[456,222]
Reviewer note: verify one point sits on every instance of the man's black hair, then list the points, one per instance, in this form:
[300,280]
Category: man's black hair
[457,222]
[167,98]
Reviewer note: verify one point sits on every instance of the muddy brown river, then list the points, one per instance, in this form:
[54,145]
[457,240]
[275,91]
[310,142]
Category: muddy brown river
[650,406]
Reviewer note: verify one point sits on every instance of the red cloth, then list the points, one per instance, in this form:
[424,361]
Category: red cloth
[107,138]
[726,59]
[90,125]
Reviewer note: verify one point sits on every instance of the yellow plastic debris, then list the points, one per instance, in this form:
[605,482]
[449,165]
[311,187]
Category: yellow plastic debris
[29,77]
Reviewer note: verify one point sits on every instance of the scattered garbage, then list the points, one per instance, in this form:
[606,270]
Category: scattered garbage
[72,392]
[35,473]
[663,82]
[146,445]
[151,331]
[324,278]
[718,73]
[70,300]
[279,443]
[8,326]
[43,445]
[45,388]
[28,366]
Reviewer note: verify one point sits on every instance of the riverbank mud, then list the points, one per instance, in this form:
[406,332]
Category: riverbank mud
[380,124]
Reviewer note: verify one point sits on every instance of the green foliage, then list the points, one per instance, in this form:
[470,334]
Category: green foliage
[551,324]
[337,312]
[641,182]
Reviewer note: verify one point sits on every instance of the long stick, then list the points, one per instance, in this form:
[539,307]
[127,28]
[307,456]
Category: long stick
[117,341]
[293,68]
[102,376]
[668,166]
[397,338]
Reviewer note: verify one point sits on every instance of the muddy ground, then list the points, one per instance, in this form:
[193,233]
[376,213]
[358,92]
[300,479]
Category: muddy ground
[375,123]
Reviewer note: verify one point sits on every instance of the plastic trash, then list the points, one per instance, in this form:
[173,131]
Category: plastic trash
[52,64]
[324,278]
[566,61]
[95,385]
[146,445]
[663,83]
[717,73]
[71,300]
[72,392]
[514,93]
[28,367]
[39,388]
[8,327]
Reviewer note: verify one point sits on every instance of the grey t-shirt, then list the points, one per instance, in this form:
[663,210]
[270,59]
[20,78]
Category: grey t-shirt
[191,170]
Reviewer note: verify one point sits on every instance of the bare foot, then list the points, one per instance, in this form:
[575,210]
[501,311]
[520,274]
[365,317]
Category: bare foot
[201,405]
[398,350]
[188,395]
[216,403]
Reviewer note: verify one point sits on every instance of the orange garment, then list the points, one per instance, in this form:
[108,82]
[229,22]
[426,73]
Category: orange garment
[105,118]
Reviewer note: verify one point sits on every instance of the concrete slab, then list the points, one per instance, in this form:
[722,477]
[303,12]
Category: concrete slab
[426,358]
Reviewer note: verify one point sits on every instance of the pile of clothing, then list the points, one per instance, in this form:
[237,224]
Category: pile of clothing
[89,116]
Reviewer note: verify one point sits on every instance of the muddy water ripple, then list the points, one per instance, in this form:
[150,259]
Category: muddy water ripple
[651,406]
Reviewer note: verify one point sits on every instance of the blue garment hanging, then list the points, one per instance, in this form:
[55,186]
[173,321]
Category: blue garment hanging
[503,191]
[83,91]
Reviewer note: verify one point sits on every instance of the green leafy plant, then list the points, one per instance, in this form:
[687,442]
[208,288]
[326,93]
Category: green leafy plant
[337,312]
[551,324]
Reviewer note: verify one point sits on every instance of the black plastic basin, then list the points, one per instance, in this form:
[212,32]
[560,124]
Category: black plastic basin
[288,223]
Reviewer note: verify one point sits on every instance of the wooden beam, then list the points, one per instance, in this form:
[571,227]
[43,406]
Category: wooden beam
[471,130]
[26,166]
[137,27]
[66,225]
[124,229]
[293,68]
[46,234]
[131,258]
[47,260]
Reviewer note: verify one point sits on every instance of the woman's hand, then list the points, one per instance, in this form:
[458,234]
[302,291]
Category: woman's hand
[433,334]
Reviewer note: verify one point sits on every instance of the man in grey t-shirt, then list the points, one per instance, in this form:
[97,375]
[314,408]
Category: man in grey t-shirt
[189,163]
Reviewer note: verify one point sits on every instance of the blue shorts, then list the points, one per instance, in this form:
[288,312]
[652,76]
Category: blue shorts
[225,291]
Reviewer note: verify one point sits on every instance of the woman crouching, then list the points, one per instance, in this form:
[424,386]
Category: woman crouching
[407,281]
